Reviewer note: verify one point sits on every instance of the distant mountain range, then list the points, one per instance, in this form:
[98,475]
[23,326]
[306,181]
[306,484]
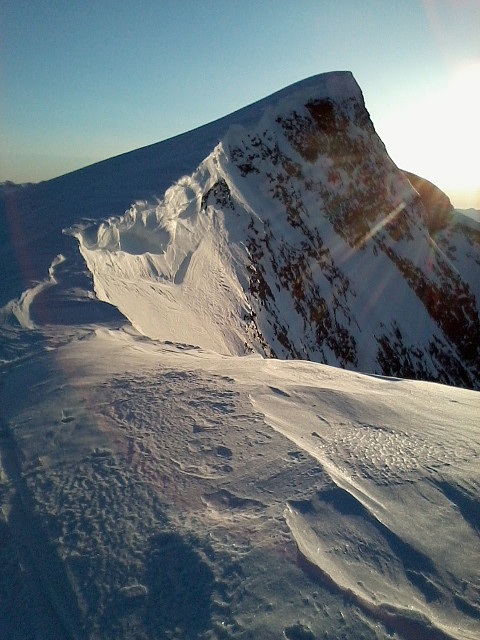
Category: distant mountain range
[284,228]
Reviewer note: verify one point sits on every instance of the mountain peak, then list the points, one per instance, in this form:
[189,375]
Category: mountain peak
[171,466]
[283,228]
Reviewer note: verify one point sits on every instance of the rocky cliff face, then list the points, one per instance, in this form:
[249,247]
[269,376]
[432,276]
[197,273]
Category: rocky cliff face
[351,262]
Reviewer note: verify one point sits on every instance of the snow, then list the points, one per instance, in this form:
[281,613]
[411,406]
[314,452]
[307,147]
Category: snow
[159,478]
[374,480]
[473,214]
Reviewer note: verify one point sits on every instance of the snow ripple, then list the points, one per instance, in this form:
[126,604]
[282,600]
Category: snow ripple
[387,456]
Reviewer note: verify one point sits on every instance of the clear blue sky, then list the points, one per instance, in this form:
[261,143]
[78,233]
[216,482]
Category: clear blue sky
[83,81]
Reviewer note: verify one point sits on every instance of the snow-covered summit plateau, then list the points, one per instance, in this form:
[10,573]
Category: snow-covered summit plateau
[200,434]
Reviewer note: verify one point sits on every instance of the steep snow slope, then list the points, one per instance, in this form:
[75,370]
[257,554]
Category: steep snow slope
[33,216]
[295,236]
[155,484]
[298,237]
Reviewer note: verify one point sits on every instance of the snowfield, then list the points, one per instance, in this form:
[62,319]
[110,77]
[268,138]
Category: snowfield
[160,477]
[161,490]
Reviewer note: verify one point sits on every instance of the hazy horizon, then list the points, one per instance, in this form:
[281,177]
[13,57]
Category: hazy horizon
[81,84]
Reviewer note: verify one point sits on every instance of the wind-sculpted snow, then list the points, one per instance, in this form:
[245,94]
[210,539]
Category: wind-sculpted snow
[154,490]
[168,268]
[297,237]
[164,471]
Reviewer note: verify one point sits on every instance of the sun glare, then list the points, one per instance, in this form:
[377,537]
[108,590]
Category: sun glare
[463,137]
[436,134]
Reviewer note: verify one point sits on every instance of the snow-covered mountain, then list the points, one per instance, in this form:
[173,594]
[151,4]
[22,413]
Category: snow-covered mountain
[288,230]
[171,465]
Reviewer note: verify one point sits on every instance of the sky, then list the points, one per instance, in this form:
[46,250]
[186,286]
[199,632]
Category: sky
[81,82]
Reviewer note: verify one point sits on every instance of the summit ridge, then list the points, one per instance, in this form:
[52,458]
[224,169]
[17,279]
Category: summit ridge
[284,229]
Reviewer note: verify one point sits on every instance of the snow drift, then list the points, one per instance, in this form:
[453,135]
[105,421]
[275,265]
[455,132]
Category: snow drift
[165,472]
[297,237]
